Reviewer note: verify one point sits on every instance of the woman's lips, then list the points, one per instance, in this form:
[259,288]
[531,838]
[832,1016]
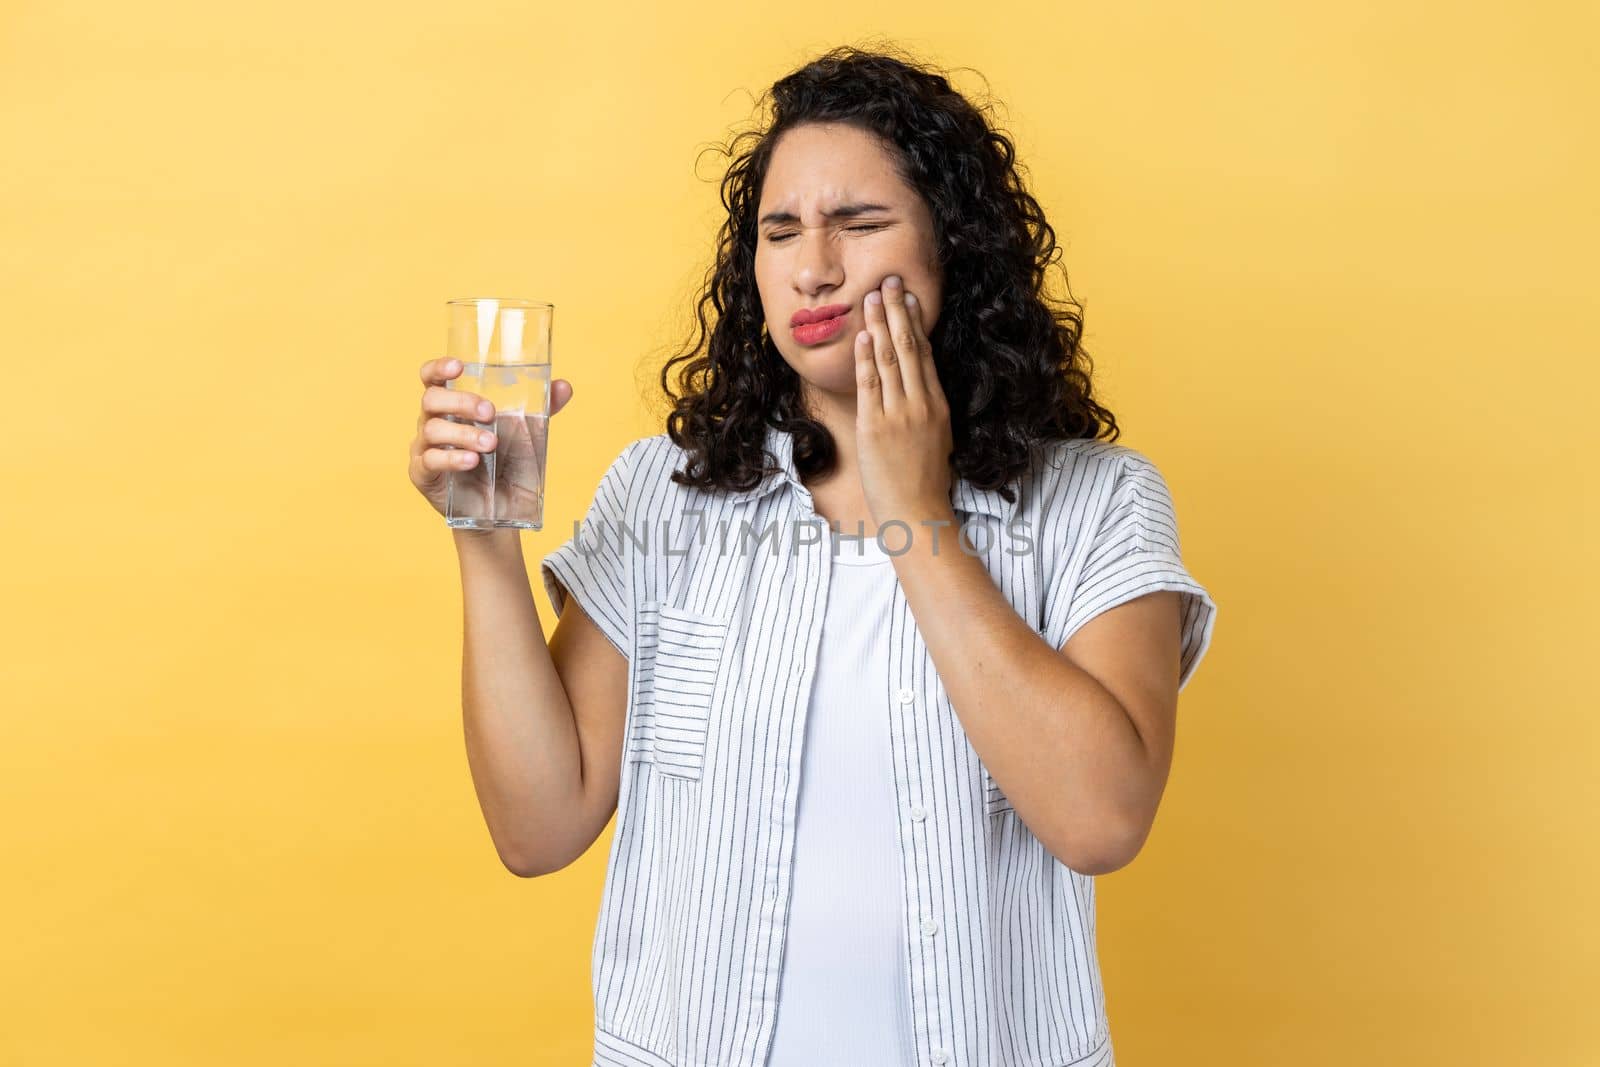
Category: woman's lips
[810,333]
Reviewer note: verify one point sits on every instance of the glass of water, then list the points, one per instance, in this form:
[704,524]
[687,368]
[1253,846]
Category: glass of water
[503,344]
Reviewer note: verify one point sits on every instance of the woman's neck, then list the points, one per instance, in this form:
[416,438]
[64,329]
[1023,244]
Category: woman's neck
[837,495]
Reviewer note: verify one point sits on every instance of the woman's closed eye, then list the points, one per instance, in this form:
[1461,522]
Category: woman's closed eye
[862,228]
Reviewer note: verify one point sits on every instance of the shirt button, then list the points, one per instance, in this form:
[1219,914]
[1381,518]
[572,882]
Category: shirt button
[917,813]
[940,1055]
[906,696]
[929,927]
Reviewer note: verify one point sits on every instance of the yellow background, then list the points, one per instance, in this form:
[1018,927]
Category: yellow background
[1338,268]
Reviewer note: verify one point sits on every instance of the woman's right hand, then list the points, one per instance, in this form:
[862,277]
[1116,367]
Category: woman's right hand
[431,459]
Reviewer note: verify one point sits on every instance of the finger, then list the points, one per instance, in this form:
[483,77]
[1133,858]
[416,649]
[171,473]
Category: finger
[883,353]
[869,383]
[440,400]
[908,355]
[443,445]
[560,394]
[460,434]
[439,371]
[932,390]
[442,459]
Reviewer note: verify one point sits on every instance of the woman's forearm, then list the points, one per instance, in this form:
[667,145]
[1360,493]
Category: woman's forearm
[521,734]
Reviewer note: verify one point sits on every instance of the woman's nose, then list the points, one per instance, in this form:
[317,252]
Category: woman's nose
[816,261]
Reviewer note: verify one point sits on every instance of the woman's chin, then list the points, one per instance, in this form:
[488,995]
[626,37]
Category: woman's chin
[831,369]
[842,385]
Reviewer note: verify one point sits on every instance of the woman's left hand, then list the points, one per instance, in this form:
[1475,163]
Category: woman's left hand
[903,436]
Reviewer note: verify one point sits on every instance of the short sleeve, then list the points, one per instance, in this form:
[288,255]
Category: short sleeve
[595,564]
[1133,550]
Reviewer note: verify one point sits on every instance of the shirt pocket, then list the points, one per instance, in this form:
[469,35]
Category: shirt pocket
[680,664]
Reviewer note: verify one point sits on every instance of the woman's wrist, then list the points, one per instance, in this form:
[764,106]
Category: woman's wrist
[501,544]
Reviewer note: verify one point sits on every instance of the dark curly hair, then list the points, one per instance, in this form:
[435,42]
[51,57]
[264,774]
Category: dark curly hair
[1009,362]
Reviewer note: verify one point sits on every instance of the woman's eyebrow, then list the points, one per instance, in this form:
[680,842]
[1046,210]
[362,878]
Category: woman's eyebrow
[843,211]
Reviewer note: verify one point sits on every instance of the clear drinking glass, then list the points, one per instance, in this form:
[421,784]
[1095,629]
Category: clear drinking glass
[503,344]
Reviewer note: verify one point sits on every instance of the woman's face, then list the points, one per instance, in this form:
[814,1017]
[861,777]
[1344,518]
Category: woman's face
[835,220]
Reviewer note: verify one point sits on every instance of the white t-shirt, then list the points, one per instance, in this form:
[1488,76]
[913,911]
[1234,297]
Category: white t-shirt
[844,994]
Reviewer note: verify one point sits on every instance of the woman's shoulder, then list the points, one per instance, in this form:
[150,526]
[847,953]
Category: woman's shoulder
[1072,462]
[1064,451]
[1078,480]
[657,445]
[650,460]
[640,450]
[1103,485]
[645,466]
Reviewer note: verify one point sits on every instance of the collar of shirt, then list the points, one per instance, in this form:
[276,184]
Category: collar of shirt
[964,495]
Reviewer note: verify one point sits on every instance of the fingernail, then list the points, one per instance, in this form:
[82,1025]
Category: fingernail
[911,300]
[892,281]
[454,364]
[483,409]
[874,297]
[484,439]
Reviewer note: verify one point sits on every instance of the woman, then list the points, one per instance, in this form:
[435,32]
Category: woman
[863,773]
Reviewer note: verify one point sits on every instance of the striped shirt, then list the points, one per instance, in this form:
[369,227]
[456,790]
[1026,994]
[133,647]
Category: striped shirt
[717,599]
